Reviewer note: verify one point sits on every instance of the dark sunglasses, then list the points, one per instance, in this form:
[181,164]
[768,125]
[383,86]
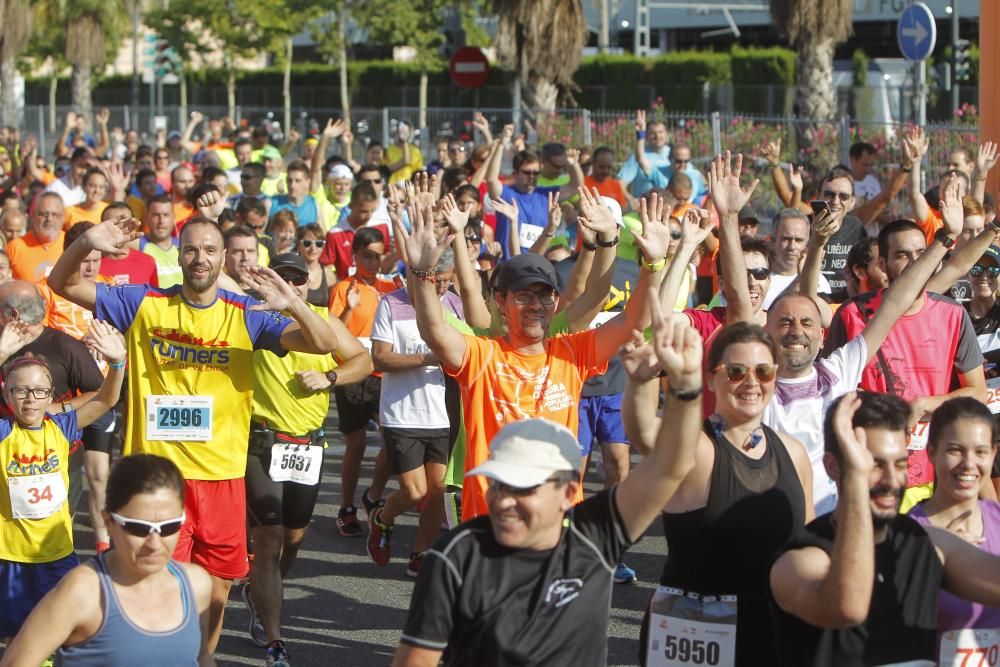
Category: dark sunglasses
[676,235]
[739,372]
[516,492]
[308,243]
[140,528]
[759,273]
[978,269]
[373,181]
[299,279]
[472,238]
[843,196]
[530,174]
[682,161]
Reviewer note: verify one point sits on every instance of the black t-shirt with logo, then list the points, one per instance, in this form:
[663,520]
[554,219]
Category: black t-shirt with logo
[837,248]
[487,605]
[986,333]
[902,620]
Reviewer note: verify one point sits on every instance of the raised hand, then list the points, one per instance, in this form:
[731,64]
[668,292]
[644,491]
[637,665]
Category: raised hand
[507,134]
[572,156]
[15,335]
[353,295]
[952,213]
[639,359]
[294,136]
[480,122]
[825,224]
[112,236]
[211,204]
[595,215]
[696,225]
[423,248]
[508,209]
[640,120]
[334,128]
[853,442]
[771,151]
[117,177]
[102,116]
[456,218]
[275,292]
[724,184]
[197,117]
[555,212]
[105,339]
[677,346]
[915,144]
[986,158]
[795,177]
[655,237]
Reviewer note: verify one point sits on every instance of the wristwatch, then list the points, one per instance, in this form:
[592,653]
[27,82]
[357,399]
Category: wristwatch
[944,239]
[332,377]
[608,244]
[67,407]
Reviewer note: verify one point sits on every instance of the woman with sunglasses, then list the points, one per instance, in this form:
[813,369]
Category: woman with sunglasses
[983,308]
[748,492]
[36,528]
[311,241]
[961,445]
[131,605]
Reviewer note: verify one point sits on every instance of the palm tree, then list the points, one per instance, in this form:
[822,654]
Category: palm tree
[16,17]
[814,28]
[542,41]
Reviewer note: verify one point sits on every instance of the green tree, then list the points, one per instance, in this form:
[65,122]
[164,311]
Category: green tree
[542,41]
[329,32]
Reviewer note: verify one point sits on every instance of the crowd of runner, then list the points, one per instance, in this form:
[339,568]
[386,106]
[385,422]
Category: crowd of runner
[811,408]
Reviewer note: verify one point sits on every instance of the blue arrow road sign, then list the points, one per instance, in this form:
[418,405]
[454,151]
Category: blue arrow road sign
[916,32]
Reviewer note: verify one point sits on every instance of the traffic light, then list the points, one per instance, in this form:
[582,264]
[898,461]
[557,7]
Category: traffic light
[167,61]
[960,60]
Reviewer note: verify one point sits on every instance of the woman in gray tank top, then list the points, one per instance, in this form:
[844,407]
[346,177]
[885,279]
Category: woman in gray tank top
[133,605]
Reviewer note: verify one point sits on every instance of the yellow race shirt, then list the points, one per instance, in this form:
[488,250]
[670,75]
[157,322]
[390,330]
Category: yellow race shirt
[279,399]
[35,523]
[190,374]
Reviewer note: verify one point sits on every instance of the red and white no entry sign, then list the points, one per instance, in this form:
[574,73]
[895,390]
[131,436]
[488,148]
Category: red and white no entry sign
[469,68]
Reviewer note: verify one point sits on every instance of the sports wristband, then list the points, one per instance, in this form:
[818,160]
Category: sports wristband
[655,266]
[120,365]
[607,244]
[640,134]
[995,225]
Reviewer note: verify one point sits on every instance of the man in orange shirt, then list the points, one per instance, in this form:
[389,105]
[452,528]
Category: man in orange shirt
[525,373]
[181,183]
[602,166]
[355,301]
[33,255]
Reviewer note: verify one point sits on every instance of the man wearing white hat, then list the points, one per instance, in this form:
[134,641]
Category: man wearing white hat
[530,582]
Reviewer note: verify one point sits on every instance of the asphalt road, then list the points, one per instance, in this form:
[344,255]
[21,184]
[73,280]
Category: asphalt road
[341,609]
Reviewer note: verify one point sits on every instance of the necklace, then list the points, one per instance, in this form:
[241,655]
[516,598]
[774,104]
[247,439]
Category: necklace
[754,438]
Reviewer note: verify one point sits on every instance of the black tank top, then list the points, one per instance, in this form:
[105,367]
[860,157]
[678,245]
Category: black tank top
[321,295]
[727,547]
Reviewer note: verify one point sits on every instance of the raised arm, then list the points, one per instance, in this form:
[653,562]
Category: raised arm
[510,211]
[477,314]
[309,332]
[480,174]
[915,145]
[986,159]
[103,138]
[642,393]
[480,122]
[493,171]
[648,488]
[575,175]
[834,591]
[110,236]
[729,197]
[541,244]
[332,130]
[960,261]
[594,271]
[640,143]
[873,208]
[424,251]
[104,338]
[186,143]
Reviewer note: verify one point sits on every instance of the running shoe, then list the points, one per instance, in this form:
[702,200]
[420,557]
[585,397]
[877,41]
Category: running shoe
[413,568]
[369,503]
[624,574]
[277,656]
[379,538]
[347,522]
[257,634]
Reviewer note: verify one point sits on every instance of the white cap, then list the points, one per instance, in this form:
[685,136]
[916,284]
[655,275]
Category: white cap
[526,453]
[616,209]
[340,171]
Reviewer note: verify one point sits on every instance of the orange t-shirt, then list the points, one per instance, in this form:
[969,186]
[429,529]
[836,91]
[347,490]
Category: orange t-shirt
[930,225]
[362,319]
[31,260]
[609,187]
[80,213]
[65,315]
[499,385]
[182,212]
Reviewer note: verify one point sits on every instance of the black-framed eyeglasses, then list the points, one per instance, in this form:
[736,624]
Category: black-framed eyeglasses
[140,528]
[308,243]
[759,273]
[21,393]
[739,372]
[545,297]
[298,279]
[978,269]
[843,196]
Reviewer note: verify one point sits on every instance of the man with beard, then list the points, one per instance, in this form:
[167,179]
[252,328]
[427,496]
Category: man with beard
[806,387]
[859,586]
[930,344]
[191,378]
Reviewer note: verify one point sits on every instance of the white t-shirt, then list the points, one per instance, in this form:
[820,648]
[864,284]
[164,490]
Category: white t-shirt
[780,283]
[867,189]
[799,406]
[413,398]
[70,195]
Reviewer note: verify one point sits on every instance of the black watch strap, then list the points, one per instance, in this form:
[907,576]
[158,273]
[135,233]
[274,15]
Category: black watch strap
[332,377]
[942,237]
[608,244]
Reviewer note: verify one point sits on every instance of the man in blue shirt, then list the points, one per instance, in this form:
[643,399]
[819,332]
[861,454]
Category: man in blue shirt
[652,145]
[306,207]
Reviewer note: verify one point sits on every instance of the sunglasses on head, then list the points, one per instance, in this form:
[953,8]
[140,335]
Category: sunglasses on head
[530,173]
[298,279]
[308,243]
[830,194]
[759,273]
[978,269]
[140,528]
[739,372]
